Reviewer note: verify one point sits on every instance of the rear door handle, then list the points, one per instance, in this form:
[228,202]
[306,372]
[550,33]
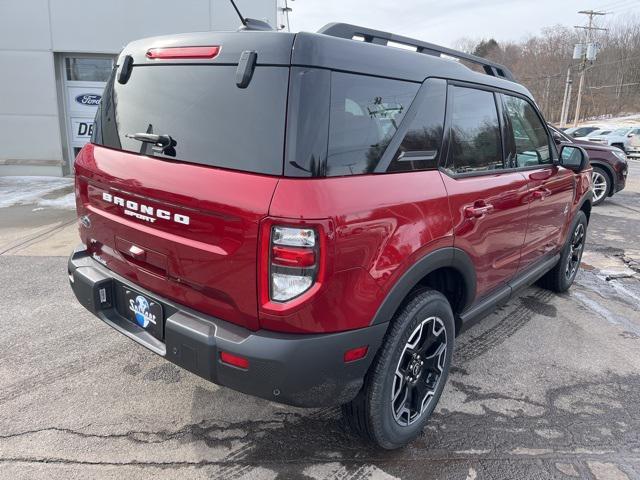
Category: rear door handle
[478,210]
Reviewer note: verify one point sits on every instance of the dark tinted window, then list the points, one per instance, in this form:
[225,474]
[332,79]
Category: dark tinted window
[420,147]
[365,114]
[583,131]
[475,131]
[307,122]
[530,138]
[212,121]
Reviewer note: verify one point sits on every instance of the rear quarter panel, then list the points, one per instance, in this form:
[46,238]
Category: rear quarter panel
[381,225]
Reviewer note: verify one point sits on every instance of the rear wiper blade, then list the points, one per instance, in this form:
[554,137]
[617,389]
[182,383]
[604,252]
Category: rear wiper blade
[158,140]
[161,143]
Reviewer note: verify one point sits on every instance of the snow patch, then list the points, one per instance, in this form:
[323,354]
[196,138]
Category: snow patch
[67,201]
[32,190]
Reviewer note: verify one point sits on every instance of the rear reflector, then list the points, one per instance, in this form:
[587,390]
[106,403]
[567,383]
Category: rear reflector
[183,52]
[355,354]
[234,360]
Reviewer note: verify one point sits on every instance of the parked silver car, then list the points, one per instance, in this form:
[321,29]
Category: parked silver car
[617,138]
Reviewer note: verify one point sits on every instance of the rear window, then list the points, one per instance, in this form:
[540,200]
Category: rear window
[210,119]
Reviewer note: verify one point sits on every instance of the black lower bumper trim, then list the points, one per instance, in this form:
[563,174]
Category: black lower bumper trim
[299,370]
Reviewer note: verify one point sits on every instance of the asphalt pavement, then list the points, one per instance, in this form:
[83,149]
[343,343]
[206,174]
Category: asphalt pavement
[548,387]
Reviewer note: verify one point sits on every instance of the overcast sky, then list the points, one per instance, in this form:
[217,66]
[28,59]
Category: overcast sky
[445,21]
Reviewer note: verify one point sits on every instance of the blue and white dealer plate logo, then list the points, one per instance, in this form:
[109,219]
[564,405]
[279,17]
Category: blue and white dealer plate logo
[140,306]
[89,99]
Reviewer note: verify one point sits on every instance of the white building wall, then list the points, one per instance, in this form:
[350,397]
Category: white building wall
[29,127]
[32,32]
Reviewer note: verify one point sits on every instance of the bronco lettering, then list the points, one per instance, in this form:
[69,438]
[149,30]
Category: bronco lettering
[148,214]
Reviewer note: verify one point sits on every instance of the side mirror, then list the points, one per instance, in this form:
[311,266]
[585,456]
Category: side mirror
[574,158]
[631,135]
[557,137]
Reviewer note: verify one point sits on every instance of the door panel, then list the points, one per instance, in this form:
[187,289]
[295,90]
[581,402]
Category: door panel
[551,191]
[551,188]
[490,220]
[488,204]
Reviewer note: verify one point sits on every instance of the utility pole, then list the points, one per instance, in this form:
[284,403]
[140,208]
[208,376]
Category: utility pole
[564,113]
[545,96]
[583,65]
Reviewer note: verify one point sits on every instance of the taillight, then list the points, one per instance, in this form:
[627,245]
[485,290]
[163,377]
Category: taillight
[183,52]
[293,262]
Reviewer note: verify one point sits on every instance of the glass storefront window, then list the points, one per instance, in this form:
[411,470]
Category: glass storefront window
[82,69]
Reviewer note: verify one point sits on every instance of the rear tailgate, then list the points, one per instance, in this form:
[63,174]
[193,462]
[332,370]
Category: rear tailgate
[183,222]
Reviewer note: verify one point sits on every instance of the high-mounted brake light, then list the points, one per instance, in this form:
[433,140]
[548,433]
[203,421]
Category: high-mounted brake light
[183,52]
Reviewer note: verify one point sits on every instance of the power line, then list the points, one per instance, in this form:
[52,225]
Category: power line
[616,4]
[616,85]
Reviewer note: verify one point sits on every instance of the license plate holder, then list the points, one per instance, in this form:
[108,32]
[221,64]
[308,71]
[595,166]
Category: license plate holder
[144,312]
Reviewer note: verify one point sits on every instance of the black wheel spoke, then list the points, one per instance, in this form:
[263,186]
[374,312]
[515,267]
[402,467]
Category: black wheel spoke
[418,392]
[428,343]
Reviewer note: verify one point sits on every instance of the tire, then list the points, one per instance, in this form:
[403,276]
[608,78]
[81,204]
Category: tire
[601,185]
[427,318]
[560,277]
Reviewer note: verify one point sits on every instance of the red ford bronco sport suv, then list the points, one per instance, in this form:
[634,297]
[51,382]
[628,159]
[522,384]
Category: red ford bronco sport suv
[313,218]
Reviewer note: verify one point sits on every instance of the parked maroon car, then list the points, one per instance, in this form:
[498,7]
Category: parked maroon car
[609,164]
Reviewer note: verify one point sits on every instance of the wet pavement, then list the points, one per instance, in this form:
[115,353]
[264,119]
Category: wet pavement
[547,387]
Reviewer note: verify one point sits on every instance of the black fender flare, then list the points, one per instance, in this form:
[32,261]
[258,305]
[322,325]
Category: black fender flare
[587,198]
[451,257]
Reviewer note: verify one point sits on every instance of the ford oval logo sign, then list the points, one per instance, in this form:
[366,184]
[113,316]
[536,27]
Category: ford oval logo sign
[89,99]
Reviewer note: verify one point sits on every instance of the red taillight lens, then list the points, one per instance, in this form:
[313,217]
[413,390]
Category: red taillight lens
[293,257]
[234,360]
[183,52]
[355,354]
[292,262]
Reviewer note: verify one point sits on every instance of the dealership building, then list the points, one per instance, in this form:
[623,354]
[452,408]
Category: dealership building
[56,56]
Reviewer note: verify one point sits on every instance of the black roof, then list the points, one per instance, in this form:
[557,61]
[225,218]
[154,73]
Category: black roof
[332,50]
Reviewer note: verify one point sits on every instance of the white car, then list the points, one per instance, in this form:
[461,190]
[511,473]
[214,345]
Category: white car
[633,146]
[618,138]
[595,133]
[582,131]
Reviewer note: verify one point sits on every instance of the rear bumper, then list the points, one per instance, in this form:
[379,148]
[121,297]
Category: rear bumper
[299,370]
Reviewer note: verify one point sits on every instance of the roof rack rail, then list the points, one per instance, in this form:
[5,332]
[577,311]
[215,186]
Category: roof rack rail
[353,32]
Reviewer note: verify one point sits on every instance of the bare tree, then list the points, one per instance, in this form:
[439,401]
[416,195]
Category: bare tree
[540,62]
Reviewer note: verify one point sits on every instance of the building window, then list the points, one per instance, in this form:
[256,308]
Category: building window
[81,69]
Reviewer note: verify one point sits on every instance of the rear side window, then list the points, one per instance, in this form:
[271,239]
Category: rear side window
[211,120]
[475,143]
[420,147]
[530,140]
[364,116]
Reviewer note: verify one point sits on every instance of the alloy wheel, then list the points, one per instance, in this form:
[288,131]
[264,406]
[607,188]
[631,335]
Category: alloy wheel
[599,186]
[575,251]
[419,371]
